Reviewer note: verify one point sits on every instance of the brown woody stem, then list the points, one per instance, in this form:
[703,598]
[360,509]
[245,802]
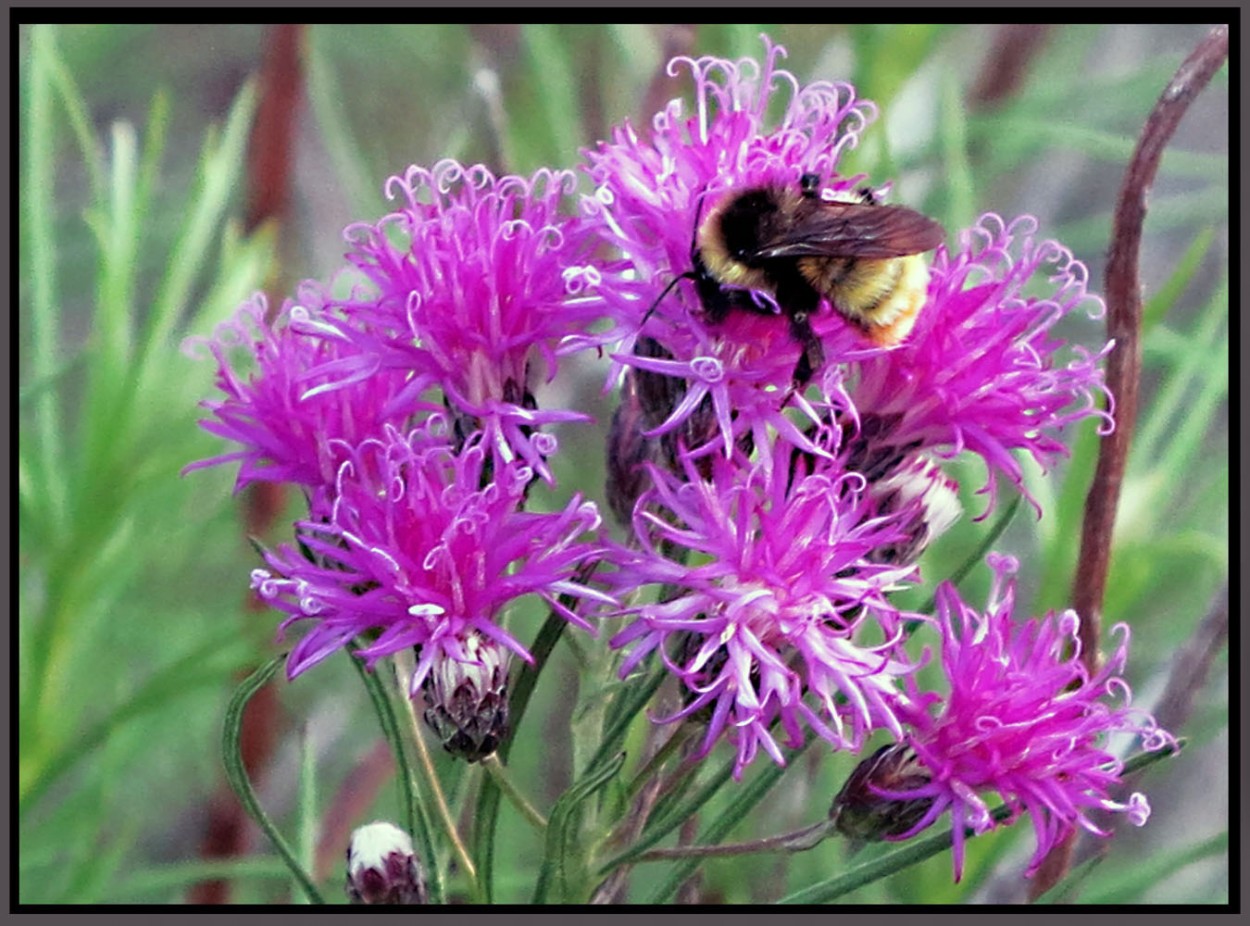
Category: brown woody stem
[1124,311]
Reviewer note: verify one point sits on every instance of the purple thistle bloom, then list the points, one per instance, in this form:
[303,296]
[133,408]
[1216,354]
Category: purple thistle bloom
[476,283]
[981,371]
[650,191]
[1024,719]
[418,550]
[779,586]
[286,434]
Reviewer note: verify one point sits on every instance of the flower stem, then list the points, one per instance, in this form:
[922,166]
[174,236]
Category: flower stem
[679,738]
[488,798]
[431,778]
[799,841]
[499,773]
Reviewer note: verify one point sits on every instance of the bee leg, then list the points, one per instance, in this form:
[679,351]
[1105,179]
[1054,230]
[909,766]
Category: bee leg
[813,356]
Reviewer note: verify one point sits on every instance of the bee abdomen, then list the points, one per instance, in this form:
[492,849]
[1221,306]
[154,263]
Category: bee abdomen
[827,274]
[882,297]
[869,291]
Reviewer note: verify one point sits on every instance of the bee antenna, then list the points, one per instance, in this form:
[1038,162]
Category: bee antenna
[689,274]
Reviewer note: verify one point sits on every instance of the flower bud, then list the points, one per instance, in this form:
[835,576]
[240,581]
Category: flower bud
[382,867]
[860,813]
[926,497]
[467,702]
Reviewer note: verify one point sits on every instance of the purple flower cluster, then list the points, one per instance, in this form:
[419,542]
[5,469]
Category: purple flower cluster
[419,546]
[774,522]
[768,520]
[406,411]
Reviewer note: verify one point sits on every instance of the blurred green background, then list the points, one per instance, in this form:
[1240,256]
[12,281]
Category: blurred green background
[133,624]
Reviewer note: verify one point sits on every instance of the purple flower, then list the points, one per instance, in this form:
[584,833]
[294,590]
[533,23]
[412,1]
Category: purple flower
[981,370]
[778,593]
[289,431]
[651,191]
[475,285]
[1024,719]
[419,551]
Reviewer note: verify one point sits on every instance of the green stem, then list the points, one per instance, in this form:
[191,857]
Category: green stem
[975,558]
[431,780]
[236,773]
[680,737]
[414,814]
[499,774]
[809,837]
[488,798]
[741,803]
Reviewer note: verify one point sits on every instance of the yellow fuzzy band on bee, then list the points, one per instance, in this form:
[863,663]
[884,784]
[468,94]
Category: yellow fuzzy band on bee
[905,305]
[872,292]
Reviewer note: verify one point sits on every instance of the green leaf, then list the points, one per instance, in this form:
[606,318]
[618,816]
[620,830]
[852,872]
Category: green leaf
[236,774]
[220,164]
[1015,139]
[171,880]
[46,497]
[976,557]
[327,99]
[1187,266]
[670,814]
[1170,434]
[557,91]
[306,802]
[564,871]
[177,680]
[1143,874]
[488,798]
[961,210]
[888,55]
[622,714]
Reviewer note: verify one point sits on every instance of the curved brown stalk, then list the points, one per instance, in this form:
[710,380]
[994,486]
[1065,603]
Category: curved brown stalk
[1124,311]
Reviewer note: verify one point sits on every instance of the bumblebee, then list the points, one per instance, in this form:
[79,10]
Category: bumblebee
[863,257]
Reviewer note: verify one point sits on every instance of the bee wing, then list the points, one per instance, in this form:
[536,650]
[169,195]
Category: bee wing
[854,230]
